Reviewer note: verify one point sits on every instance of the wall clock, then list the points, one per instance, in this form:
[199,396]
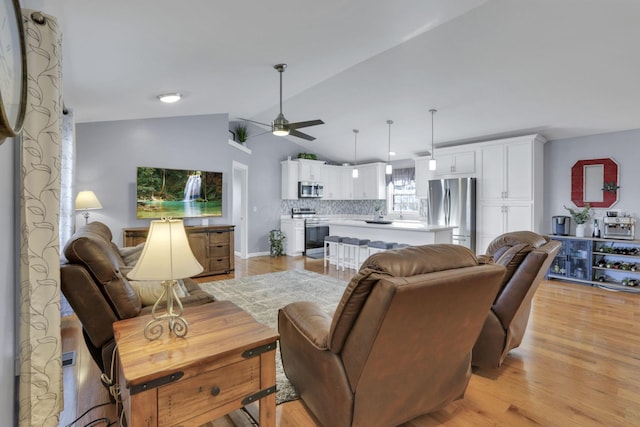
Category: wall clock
[13,75]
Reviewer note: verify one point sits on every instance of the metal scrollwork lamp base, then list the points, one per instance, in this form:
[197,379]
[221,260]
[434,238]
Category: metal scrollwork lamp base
[166,256]
[173,314]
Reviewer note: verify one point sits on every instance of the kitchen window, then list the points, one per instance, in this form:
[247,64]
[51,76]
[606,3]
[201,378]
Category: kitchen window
[401,193]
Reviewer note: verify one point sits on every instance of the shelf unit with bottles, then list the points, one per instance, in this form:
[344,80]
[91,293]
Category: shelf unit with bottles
[606,263]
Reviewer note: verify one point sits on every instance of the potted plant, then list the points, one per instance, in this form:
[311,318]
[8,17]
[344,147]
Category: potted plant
[580,217]
[378,215]
[242,133]
[276,239]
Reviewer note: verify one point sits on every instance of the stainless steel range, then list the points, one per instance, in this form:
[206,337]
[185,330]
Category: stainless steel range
[315,230]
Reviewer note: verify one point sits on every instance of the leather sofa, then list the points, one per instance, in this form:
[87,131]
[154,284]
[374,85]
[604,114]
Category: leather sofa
[399,343]
[94,282]
[526,256]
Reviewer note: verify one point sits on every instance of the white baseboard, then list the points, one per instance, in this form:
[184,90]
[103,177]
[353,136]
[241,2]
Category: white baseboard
[255,254]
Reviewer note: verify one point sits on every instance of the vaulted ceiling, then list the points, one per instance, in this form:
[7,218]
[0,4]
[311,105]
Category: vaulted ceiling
[495,68]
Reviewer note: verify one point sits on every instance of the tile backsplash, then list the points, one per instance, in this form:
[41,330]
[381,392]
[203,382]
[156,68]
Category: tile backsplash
[343,207]
[334,207]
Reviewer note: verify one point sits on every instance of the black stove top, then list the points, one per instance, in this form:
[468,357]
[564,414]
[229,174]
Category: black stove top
[303,212]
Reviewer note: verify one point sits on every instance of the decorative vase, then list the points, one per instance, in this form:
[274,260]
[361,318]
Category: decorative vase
[580,230]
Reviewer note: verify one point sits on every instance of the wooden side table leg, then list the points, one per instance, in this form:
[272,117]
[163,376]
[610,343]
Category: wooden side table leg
[268,379]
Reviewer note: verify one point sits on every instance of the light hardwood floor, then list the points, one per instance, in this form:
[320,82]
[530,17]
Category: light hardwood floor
[579,365]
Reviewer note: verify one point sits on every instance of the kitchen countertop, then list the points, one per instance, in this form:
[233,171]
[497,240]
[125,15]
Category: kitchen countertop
[395,225]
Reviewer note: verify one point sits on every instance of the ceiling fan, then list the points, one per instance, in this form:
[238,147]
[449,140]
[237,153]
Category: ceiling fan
[281,126]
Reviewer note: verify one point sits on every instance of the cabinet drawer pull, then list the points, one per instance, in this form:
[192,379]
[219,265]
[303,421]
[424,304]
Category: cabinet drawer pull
[215,391]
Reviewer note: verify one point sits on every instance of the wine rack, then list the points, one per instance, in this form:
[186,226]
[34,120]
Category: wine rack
[606,263]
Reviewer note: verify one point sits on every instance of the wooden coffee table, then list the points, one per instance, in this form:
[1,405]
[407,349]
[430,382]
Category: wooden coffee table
[226,361]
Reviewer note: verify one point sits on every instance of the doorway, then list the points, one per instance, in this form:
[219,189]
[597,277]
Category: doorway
[240,208]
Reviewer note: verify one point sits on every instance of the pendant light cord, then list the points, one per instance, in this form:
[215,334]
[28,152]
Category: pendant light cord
[389,122]
[432,111]
[355,146]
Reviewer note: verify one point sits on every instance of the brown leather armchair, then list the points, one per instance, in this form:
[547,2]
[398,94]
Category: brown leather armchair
[99,293]
[399,344]
[527,257]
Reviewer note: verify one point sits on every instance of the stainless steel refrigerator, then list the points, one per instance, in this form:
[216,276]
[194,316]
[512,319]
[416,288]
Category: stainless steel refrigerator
[452,202]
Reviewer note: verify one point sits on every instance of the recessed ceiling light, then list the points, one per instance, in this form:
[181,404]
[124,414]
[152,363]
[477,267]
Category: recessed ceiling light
[170,97]
[392,153]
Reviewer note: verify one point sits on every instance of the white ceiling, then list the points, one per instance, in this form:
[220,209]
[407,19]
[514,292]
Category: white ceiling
[493,68]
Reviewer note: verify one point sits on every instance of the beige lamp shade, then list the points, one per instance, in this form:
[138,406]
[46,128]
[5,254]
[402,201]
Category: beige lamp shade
[87,200]
[166,254]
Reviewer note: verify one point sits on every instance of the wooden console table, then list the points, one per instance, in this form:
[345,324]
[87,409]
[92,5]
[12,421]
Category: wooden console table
[212,245]
[226,361]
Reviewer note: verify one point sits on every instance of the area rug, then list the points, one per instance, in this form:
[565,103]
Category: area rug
[263,295]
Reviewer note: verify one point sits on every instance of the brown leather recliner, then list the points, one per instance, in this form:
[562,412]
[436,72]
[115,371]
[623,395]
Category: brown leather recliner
[527,257]
[96,288]
[399,344]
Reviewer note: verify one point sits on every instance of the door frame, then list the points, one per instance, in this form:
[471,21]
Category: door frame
[243,185]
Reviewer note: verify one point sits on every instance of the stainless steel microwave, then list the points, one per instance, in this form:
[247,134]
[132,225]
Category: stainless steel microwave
[310,190]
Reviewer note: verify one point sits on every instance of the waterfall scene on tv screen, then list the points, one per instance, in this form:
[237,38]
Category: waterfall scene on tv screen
[177,193]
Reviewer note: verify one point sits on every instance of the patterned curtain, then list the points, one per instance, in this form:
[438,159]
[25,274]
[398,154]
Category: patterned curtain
[401,176]
[40,393]
[67,168]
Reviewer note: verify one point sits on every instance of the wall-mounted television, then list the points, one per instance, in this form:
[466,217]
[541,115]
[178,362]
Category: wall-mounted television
[177,193]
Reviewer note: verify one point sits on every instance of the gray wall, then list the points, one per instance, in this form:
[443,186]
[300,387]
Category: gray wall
[109,152]
[8,280]
[560,155]
[265,189]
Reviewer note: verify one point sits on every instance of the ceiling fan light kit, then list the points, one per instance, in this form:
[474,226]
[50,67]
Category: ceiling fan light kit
[279,126]
[432,161]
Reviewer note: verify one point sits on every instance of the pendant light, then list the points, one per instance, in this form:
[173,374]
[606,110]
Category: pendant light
[388,169]
[432,161]
[355,152]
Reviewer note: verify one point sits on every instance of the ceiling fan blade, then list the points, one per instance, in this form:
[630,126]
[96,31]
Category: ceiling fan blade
[293,132]
[298,125]
[259,134]
[253,121]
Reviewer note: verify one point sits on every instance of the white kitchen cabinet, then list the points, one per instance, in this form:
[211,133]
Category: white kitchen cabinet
[293,229]
[509,187]
[496,218]
[454,162]
[507,171]
[311,170]
[289,171]
[371,182]
[423,176]
[346,183]
[450,162]
[338,182]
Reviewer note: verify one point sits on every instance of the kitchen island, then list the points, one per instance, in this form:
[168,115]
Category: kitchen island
[410,232]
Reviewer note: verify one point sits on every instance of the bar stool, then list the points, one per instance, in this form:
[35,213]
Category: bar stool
[332,250]
[352,250]
[379,246]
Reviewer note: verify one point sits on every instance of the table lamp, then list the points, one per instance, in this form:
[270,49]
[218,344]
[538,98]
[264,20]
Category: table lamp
[167,257]
[87,200]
